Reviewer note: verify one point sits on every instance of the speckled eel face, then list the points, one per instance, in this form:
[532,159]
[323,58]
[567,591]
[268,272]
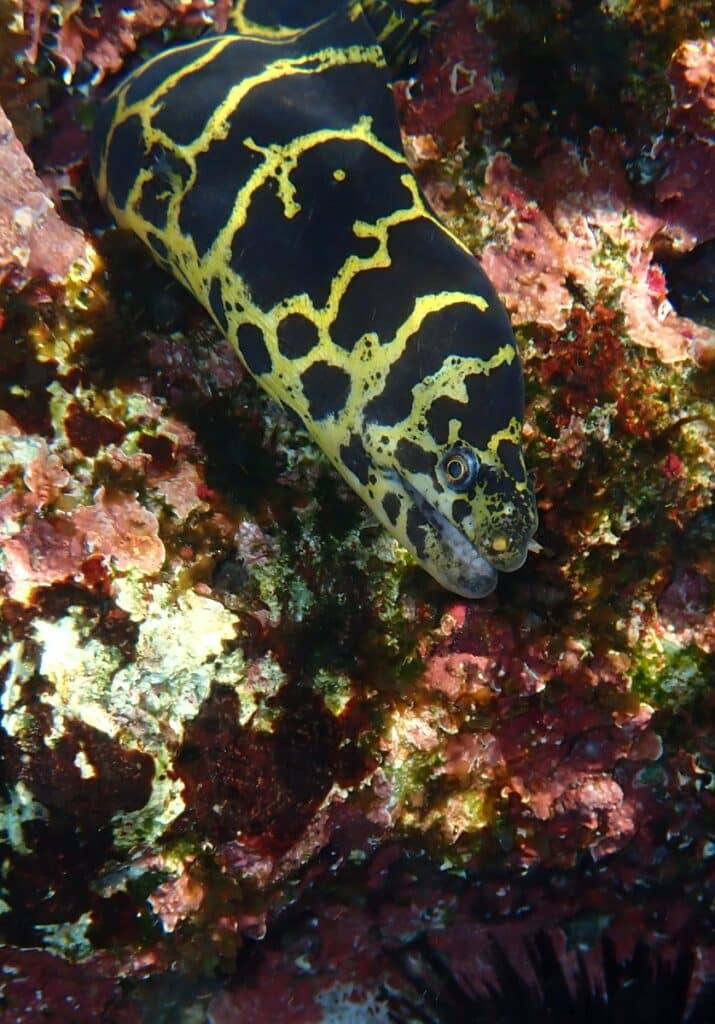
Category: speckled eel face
[264,169]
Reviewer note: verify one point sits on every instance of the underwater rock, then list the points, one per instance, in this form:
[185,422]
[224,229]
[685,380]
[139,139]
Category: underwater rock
[682,190]
[34,240]
[691,283]
[691,75]
[260,746]
[99,38]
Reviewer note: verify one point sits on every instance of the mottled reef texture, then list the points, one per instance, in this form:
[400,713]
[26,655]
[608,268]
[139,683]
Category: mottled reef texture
[254,764]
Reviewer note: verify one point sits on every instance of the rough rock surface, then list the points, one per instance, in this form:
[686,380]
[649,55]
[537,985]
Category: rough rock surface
[253,762]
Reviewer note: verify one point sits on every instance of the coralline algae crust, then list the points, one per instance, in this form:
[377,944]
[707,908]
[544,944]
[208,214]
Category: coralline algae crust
[226,695]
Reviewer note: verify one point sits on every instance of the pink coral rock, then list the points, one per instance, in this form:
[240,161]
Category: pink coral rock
[34,240]
[45,551]
[692,79]
[119,528]
[557,232]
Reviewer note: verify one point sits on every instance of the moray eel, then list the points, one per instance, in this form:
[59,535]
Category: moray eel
[263,168]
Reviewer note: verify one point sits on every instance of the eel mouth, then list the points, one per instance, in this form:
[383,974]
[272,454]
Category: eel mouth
[450,558]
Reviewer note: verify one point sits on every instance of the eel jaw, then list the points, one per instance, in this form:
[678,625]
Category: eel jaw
[450,559]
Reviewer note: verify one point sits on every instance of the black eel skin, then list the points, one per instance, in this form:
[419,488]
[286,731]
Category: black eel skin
[264,169]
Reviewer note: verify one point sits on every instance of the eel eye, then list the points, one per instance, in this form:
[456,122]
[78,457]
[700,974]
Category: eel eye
[459,469]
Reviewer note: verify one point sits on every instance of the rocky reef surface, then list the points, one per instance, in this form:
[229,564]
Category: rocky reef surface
[253,762]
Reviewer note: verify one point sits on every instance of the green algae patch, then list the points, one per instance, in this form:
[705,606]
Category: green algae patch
[336,689]
[460,816]
[141,829]
[20,809]
[671,677]
[69,939]
[177,640]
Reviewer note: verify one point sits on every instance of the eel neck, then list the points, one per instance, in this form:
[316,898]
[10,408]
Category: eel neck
[401,27]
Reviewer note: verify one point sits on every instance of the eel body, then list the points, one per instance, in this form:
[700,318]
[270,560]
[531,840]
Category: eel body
[263,168]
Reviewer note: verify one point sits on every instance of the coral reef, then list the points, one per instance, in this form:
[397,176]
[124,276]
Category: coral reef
[34,240]
[252,759]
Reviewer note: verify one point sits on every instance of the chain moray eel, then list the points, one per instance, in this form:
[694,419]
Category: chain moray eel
[263,167]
